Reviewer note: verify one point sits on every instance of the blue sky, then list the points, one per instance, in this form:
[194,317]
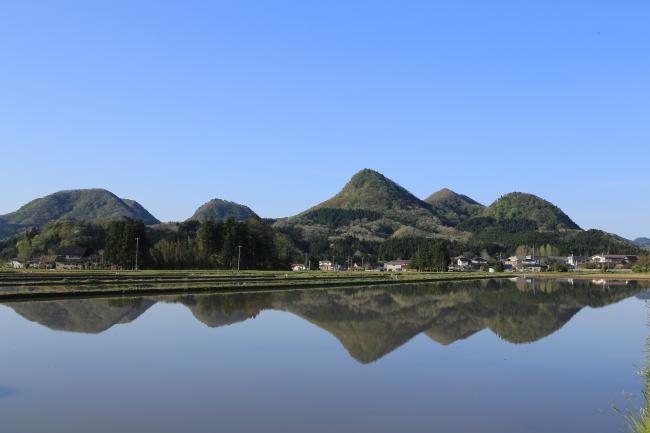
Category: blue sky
[275,104]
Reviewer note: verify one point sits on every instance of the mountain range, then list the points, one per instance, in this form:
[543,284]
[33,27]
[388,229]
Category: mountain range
[370,207]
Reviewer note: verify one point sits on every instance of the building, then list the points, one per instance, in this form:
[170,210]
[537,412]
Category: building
[298,267]
[17,264]
[478,262]
[523,263]
[41,263]
[397,265]
[462,262]
[71,258]
[574,260]
[614,259]
[325,265]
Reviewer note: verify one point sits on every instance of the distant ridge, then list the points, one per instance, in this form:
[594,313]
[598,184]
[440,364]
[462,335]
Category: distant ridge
[642,242]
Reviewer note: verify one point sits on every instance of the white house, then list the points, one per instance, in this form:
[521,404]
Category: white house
[297,267]
[397,265]
[524,263]
[462,262]
[613,259]
[325,265]
[70,258]
[17,264]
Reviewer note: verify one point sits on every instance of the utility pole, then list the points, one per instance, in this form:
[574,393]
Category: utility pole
[238,256]
[137,248]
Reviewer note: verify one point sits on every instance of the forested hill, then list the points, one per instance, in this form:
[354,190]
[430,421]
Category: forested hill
[370,207]
[373,191]
[454,207]
[90,205]
[518,206]
[218,210]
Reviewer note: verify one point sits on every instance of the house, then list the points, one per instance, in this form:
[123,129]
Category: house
[397,265]
[524,263]
[41,263]
[614,259]
[574,260]
[462,262]
[479,261]
[73,253]
[325,265]
[514,261]
[298,267]
[71,258]
[17,264]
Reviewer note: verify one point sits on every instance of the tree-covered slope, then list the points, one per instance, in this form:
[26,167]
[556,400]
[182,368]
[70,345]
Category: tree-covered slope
[92,205]
[218,210]
[519,206]
[373,191]
[140,212]
[370,207]
[453,207]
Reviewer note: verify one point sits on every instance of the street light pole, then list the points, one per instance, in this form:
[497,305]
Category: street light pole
[238,256]
[137,248]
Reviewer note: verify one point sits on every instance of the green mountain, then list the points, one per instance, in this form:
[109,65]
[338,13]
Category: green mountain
[92,205]
[371,190]
[452,206]
[370,207]
[218,209]
[518,206]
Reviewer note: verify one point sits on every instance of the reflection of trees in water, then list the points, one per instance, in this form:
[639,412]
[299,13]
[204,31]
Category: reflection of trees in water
[369,322]
[92,316]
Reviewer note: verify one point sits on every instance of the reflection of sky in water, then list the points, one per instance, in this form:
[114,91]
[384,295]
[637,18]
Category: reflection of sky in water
[6,392]
[316,362]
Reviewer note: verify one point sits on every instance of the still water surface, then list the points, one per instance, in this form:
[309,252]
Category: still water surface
[490,356]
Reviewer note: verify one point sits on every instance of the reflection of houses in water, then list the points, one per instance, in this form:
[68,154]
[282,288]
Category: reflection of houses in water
[611,283]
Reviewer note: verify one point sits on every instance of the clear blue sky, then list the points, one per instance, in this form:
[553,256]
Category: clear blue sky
[275,104]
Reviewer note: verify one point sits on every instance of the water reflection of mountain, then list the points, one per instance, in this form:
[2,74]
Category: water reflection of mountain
[369,322]
[83,315]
